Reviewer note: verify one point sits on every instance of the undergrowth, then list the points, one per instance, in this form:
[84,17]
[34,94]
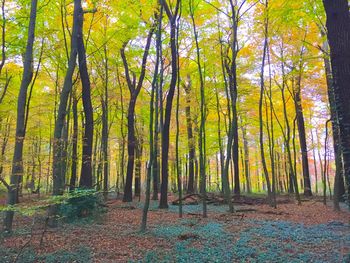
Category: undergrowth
[28,255]
[82,204]
[263,241]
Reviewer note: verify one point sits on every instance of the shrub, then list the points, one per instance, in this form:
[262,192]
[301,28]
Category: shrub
[82,204]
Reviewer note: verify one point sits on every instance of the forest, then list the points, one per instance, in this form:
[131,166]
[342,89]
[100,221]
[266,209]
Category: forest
[175,131]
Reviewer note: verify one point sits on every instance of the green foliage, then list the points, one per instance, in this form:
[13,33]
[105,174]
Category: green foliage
[264,241]
[215,243]
[281,241]
[82,204]
[29,255]
[80,255]
[78,204]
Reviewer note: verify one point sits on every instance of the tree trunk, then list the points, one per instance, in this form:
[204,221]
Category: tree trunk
[17,161]
[339,188]
[338,25]
[86,169]
[105,126]
[173,16]
[202,137]
[261,123]
[131,150]
[73,178]
[302,136]
[138,155]
[190,138]
[157,84]
[134,89]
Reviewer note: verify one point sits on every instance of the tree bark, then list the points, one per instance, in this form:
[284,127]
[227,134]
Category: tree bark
[261,123]
[134,89]
[58,141]
[301,128]
[190,138]
[173,16]
[86,169]
[338,25]
[17,161]
[73,177]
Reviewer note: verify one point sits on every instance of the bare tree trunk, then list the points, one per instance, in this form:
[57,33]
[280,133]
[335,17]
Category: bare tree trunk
[338,25]
[17,161]
[58,141]
[202,139]
[158,102]
[315,161]
[73,178]
[190,138]
[301,126]
[261,122]
[173,17]
[134,89]
[105,125]
[86,169]
[339,188]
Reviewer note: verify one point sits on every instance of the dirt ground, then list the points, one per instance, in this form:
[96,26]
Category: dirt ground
[115,236]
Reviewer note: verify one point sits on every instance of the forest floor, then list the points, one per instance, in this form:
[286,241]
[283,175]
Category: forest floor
[311,232]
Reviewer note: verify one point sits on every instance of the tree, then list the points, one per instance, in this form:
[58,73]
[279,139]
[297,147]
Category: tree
[338,26]
[134,89]
[190,138]
[173,17]
[58,141]
[17,161]
[262,91]
[202,139]
[86,171]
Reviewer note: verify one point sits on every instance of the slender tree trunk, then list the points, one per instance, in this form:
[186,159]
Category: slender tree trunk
[86,169]
[315,161]
[302,134]
[173,17]
[246,159]
[178,169]
[17,161]
[105,125]
[202,155]
[157,82]
[5,138]
[122,143]
[325,165]
[73,178]
[152,135]
[221,148]
[231,68]
[261,121]
[58,143]
[134,89]
[138,155]
[190,138]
